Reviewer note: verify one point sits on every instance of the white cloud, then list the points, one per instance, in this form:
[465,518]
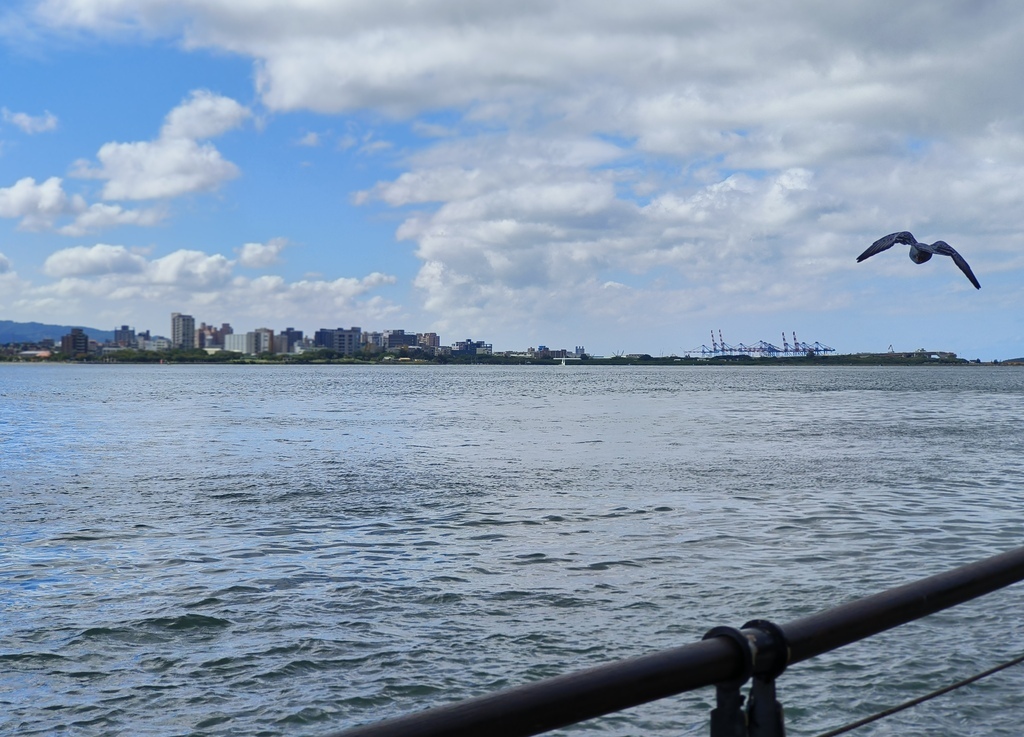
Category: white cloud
[273,297]
[38,205]
[31,124]
[158,169]
[311,139]
[110,281]
[176,163]
[518,233]
[580,58]
[119,273]
[92,261]
[100,216]
[259,255]
[5,264]
[518,220]
[204,115]
[190,268]
[182,268]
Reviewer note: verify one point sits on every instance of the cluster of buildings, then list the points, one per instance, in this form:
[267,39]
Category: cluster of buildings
[342,341]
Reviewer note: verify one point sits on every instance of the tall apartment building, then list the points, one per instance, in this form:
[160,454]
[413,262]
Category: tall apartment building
[124,336]
[74,343]
[264,340]
[183,331]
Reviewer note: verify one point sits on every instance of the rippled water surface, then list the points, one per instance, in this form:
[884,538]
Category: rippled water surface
[296,550]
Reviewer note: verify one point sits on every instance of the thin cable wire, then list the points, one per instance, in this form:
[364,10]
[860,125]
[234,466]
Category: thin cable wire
[921,699]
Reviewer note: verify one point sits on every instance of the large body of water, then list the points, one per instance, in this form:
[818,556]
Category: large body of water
[296,550]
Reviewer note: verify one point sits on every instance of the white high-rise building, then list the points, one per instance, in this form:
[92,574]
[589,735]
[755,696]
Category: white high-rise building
[240,342]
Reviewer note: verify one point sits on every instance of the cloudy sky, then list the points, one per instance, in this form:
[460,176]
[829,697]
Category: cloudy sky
[624,176]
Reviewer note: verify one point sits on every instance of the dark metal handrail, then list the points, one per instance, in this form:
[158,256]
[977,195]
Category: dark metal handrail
[557,702]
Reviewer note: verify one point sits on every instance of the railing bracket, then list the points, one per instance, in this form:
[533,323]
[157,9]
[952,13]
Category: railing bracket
[764,712]
[728,718]
[763,715]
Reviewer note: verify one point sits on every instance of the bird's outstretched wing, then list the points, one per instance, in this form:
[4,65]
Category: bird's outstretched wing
[947,250]
[888,241]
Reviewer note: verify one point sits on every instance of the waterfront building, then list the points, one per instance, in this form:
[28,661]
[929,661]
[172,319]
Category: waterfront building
[74,343]
[470,347]
[204,335]
[395,339]
[346,342]
[207,336]
[124,336]
[252,343]
[286,340]
[430,341]
[183,331]
[240,343]
[156,343]
[264,340]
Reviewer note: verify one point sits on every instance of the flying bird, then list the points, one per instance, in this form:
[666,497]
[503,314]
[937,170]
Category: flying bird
[920,252]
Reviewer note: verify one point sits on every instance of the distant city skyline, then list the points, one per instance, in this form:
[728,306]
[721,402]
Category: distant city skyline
[713,343]
[632,179]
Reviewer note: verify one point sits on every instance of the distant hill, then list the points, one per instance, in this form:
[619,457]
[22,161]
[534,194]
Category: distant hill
[33,332]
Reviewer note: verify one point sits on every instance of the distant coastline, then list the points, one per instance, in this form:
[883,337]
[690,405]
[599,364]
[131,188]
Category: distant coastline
[916,358]
[16,336]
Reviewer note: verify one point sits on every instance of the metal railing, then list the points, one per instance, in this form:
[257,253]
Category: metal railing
[726,658]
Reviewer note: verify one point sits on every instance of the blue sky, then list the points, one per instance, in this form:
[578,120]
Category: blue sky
[624,177]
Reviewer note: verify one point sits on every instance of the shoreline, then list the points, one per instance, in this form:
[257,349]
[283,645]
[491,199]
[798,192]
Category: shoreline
[867,359]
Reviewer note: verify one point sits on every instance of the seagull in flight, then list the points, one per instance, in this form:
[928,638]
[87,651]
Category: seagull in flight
[920,252]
